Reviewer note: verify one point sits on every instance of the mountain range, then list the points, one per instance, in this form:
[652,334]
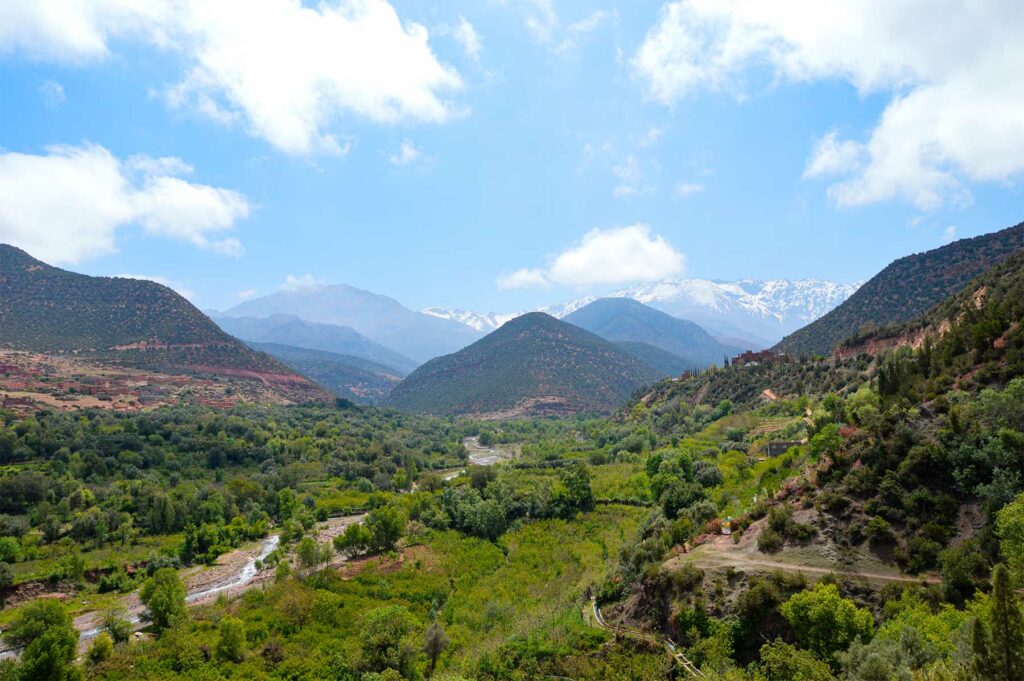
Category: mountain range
[532,365]
[383,320]
[906,288]
[625,319]
[746,312]
[352,378]
[289,330]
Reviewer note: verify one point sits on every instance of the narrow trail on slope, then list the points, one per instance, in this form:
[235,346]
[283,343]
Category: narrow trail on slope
[711,559]
[670,646]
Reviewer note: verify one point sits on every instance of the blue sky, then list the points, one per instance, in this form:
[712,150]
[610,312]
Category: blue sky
[714,140]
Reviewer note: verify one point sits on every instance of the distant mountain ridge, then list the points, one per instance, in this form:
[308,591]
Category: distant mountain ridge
[289,330]
[761,312]
[128,322]
[906,288]
[532,365]
[353,378]
[380,318]
[625,319]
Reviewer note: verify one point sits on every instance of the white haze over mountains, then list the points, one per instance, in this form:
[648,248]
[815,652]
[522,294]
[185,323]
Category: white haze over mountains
[756,312]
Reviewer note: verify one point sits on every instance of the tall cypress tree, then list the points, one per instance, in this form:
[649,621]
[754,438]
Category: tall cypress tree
[999,646]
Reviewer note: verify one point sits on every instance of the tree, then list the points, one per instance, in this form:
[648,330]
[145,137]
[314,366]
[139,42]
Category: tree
[117,625]
[576,479]
[45,631]
[998,642]
[1010,530]
[783,662]
[231,644]
[385,524]
[679,495]
[6,579]
[963,567]
[825,622]
[385,640]
[434,643]
[308,553]
[163,594]
[354,540]
[101,649]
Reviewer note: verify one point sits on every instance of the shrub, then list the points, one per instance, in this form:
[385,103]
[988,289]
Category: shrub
[769,541]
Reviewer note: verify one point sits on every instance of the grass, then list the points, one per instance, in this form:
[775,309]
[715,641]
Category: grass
[109,556]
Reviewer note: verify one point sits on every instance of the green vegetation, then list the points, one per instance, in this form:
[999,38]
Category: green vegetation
[905,289]
[907,463]
[563,368]
[348,377]
[627,320]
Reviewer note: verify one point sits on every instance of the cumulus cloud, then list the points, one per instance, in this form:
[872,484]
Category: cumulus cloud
[617,255]
[407,154]
[832,156]
[164,281]
[68,205]
[287,71]
[949,234]
[246,294]
[955,115]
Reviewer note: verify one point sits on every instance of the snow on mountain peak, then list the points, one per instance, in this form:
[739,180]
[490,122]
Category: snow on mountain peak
[763,309]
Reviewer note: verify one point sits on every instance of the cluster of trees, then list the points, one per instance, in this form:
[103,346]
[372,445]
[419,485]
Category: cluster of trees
[74,482]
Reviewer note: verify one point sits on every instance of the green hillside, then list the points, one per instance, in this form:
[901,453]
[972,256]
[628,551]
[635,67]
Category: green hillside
[123,321]
[906,288]
[353,378]
[625,319]
[533,364]
[664,362]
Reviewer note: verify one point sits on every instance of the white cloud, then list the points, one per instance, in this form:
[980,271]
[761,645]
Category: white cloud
[289,71]
[949,234]
[468,38]
[246,294]
[832,156]
[577,30]
[163,281]
[53,94]
[684,189]
[67,205]
[630,178]
[541,19]
[522,278]
[610,256]
[956,113]
[652,136]
[300,283]
[407,154]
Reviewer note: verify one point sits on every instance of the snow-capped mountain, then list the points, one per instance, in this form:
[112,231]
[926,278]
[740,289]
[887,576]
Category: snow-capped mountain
[755,313]
[481,321]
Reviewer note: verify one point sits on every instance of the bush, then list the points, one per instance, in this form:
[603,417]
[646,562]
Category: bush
[101,649]
[769,541]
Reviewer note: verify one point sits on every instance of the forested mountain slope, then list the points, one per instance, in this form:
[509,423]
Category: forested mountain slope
[534,364]
[124,321]
[352,378]
[905,289]
[625,319]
